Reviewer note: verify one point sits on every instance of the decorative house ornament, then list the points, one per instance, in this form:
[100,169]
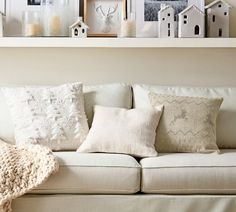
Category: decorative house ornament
[191,23]
[79,29]
[218,19]
[166,23]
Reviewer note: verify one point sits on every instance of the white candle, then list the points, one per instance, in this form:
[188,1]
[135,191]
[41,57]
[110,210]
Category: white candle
[55,25]
[32,30]
[127,29]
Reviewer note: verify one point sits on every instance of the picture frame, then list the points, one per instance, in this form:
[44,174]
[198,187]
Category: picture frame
[34,2]
[104,17]
[147,14]
[14,11]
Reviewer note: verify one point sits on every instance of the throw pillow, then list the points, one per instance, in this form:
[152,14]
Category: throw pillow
[188,124]
[117,130]
[51,116]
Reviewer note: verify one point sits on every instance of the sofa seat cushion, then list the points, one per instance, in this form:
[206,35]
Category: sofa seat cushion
[93,173]
[190,173]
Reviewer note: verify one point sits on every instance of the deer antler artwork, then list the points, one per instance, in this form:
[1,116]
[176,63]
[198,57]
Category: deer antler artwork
[106,17]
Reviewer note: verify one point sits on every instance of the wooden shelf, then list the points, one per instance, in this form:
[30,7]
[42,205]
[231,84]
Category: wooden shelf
[15,42]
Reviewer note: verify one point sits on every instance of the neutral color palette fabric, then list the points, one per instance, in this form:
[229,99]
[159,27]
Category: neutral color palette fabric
[188,124]
[51,116]
[93,173]
[118,130]
[23,169]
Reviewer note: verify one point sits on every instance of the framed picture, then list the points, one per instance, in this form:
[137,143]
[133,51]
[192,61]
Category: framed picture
[147,14]
[104,16]
[34,2]
[14,11]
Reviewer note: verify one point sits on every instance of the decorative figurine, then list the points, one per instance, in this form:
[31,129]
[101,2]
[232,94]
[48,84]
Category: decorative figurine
[166,23]
[79,29]
[192,23]
[218,19]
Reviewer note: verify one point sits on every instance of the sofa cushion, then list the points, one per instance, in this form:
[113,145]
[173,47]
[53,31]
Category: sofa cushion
[93,173]
[50,116]
[190,173]
[113,95]
[188,124]
[226,121]
[130,131]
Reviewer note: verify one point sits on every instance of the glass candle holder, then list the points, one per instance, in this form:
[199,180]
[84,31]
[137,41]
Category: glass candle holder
[31,24]
[55,17]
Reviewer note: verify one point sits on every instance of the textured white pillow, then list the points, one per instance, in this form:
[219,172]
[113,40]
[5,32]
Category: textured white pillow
[51,116]
[118,130]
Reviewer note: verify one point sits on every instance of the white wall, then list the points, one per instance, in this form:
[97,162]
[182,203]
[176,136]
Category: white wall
[199,67]
[158,66]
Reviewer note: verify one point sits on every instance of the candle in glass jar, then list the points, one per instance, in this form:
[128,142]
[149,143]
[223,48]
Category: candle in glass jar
[127,28]
[55,25]
[32,30]
[31,24]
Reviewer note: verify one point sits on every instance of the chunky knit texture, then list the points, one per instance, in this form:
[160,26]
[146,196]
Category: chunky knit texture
[22,169]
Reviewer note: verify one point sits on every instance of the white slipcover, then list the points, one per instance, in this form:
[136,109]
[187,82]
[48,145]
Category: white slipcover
[125,203]
[93,173]
[190,173]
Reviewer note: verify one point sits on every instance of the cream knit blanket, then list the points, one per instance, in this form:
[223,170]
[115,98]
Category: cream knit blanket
[23,169]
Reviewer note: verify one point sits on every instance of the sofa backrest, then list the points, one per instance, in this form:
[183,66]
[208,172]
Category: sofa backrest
[226,122]
[115,95]
[120,95]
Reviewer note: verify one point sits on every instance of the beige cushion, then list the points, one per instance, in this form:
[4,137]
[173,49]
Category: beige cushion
[188,124]
[190,173]
[50,116]
[115,95]
[93,173]
[118,130]
[226,121]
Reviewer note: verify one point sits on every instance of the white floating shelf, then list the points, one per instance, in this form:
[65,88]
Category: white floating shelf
[118,42]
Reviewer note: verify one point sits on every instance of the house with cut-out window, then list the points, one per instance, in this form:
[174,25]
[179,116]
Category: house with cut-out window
[191,23]
[166,22]
[79,29]
[218,19]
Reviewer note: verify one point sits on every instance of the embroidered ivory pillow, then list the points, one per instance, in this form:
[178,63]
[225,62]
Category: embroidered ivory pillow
[51,116]
[188,124]
[117,130]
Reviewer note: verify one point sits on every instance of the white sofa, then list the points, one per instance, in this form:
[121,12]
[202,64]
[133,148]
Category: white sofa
[98,182]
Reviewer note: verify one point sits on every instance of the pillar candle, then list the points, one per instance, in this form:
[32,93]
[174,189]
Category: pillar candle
[55,25]
[127,29]
[32,30]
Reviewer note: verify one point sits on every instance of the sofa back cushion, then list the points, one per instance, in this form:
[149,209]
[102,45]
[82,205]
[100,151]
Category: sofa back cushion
[113,95]
[226,121]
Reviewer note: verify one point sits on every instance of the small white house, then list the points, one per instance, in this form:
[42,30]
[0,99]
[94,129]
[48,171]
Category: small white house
[218,19]
[191,23]
[166,22]
[79,29]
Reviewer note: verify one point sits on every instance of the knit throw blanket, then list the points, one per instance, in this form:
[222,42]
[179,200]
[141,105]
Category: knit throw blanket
[23,169]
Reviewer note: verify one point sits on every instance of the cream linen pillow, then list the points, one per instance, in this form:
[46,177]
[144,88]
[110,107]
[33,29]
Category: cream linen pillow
[117,130]
[51,116]
[188,124]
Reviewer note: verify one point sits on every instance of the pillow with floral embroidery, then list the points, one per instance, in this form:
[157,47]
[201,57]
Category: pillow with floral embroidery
[51,116]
